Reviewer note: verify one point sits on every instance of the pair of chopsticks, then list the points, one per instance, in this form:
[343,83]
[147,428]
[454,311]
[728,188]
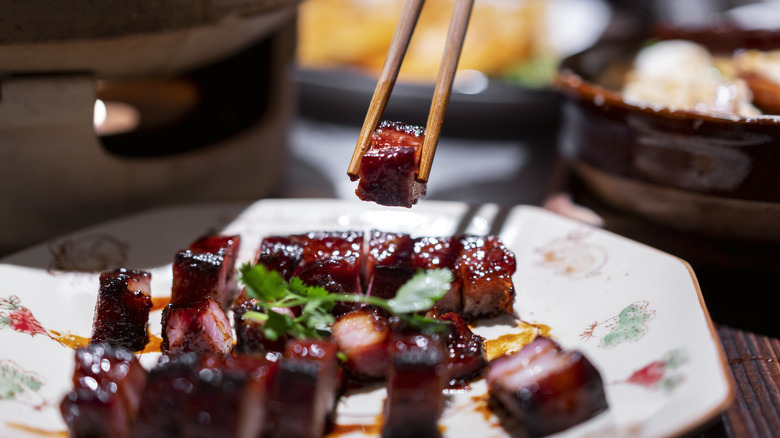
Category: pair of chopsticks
[387,78]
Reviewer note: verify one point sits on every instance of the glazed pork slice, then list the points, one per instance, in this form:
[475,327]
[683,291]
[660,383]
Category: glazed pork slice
[206,269]
[249,331]
[203,328]
[307,385]
[485,269]
[363,336]
[281,254]
[107,385]
[441,253]
[465,356]
[388,169]
[546,389]
[332,260]
[192,395]
[388,263]
[416,379]
[122,309]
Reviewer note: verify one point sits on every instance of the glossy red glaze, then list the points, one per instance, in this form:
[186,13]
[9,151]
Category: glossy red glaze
[122,310]
[486,267]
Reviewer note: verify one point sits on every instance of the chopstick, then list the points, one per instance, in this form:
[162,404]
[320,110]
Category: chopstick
[387,78]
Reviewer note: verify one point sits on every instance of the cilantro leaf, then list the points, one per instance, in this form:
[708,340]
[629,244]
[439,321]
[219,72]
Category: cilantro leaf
[262,283]
[422,291]
[268,287]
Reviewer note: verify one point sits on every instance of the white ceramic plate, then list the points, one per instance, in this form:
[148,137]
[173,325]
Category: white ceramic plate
[636,312]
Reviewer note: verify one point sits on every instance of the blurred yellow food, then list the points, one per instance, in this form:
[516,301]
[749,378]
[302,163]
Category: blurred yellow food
[357,33]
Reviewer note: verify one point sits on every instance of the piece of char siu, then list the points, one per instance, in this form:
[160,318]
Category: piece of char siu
[332,260]
[202,328]
[485,269]
[206,269]
[249,331]
[307,386]
[465,356]
[440,253]
[194,395]
[108,382]
[415,382]
[543,389]
[388,169]
[388,263]
[122,309]
[281,254]
[363,336]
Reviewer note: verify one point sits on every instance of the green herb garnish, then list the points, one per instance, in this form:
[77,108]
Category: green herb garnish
[419,294]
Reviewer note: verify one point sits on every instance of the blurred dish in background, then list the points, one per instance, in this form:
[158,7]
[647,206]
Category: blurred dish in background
[674,133]
[509,57]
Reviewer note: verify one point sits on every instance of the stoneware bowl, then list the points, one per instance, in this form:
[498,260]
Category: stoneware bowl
[57,174]
[694,172]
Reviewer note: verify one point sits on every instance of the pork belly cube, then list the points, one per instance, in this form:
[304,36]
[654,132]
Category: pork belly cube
[107,385]
[388,249]
[363,335]
[122,309]
[441,253]
[249,331]
[331,260]
[324,245]
[194,395]
[465,351]
[229,398]
[281,254]
[545,388]
[485,269]
[416,379]
[388,169]
[203,328]
[307,386]
[388,263]
[95,413]
[206,269]
[168,387]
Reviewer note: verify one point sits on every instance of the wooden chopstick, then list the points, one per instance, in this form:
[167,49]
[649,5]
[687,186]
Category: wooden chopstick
[446,76]
[384,86]
[441,95]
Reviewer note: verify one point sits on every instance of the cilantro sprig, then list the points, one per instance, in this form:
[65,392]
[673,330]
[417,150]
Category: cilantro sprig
[271,291]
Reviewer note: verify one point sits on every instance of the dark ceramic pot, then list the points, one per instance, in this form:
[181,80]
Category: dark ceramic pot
[695,172]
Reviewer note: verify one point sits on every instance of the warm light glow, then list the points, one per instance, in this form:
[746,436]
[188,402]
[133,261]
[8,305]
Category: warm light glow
[115,118]
[100,114]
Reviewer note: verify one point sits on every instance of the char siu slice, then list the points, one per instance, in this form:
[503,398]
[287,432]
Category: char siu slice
[206,269]
[363,335]
[203,328]
[465,351]
[414,388]
[307,386]
[388,169]
[281,254]
[191,395]
[107,385]
[388,263]
[249,334]
[485,269]
[440,252]
[122,309]
[544,388]
[229,398]
[331,260]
